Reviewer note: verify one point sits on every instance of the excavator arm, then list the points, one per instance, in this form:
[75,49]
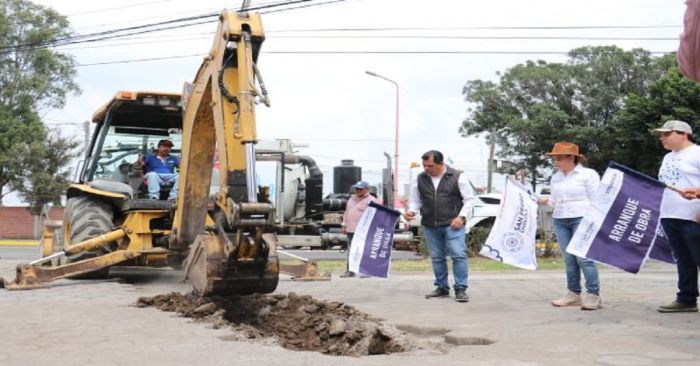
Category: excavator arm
[237,252]
[236,256]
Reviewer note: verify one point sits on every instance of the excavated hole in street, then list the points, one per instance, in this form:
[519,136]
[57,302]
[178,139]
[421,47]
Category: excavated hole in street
[296,322]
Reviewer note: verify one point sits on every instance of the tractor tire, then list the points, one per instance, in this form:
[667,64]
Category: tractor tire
[87,217]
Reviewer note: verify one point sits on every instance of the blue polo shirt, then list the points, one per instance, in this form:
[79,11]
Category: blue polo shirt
[161,166]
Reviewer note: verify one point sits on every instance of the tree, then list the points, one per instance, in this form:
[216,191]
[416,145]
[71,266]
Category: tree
[670,97]
[14,133]
[543,95]
[46,179]
[530,107]
[490,115]
[33,78]
[577,101]
[606,76]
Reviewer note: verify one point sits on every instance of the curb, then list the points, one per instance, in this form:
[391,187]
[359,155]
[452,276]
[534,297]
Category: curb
[19,243]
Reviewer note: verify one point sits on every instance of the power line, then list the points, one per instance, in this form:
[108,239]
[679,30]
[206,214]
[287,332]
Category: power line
[379,53]
[141,60]
[192,38]
[150,18]
[452,52]
[302,6]
[141,29]
[389,29]
[585,38]
[117,8]
[108,34]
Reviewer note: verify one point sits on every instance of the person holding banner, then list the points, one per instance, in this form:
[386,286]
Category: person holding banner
[444,198]
[572,188]
[680,170]
[357,204]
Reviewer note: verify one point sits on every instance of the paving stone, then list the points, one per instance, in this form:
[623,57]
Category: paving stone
[509,307]
[625,360]
[670,355]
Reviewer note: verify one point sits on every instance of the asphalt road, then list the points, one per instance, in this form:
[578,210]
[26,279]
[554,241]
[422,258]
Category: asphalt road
[31,253]
[23,253]
[508,321]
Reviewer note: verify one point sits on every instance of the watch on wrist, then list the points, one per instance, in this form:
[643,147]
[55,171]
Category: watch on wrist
[464,220]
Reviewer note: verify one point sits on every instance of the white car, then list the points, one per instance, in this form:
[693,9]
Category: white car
[483,213]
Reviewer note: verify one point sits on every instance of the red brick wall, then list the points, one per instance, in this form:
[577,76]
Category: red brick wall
[18,223]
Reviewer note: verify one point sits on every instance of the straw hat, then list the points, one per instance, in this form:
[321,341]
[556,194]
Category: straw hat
[564,148]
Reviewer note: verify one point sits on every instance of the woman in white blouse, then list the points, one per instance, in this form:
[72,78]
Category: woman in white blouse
[572,187]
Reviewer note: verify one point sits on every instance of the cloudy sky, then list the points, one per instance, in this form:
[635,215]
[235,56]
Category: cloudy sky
[325,99]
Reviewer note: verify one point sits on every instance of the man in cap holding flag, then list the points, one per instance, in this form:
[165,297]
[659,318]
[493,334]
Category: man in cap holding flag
[681,169]
[357,204]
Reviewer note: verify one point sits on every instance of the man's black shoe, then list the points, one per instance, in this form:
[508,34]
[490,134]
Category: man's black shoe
[461,295]
[678,307]
[438,292]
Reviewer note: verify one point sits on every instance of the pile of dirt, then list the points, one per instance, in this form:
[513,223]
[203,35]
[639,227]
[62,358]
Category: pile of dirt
[295,322]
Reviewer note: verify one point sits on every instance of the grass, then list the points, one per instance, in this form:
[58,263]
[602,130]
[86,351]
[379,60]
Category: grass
[424,265]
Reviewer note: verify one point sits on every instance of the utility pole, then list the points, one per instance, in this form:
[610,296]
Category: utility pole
[492,163]
[396,137]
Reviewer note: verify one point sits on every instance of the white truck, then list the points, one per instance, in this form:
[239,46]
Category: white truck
[483,213]
[294,185]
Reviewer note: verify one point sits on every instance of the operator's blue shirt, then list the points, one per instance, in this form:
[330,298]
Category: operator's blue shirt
[161,166]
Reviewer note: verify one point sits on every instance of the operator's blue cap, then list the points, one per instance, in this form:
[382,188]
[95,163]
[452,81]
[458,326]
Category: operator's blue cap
[361,185]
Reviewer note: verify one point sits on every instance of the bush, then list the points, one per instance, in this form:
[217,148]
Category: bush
[476,239]
[423,245]
[547,246]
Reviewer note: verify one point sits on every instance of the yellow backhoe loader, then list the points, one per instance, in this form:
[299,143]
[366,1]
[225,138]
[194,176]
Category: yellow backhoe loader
[220,236]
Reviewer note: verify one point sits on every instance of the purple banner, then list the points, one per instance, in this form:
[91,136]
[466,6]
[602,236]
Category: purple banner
[662,248]
[370,251]
[629,228]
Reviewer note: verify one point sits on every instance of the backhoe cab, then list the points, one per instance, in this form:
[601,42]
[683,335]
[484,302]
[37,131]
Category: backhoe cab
[224,243]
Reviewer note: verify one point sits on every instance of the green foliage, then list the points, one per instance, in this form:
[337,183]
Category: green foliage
[33,78]
[14,133]
[43,162]
[536,104]
[476,239]
[670,97]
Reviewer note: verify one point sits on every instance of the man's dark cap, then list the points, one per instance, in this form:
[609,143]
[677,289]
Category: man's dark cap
[165,142]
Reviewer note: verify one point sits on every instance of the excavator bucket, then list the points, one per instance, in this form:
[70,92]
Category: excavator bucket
[213,269]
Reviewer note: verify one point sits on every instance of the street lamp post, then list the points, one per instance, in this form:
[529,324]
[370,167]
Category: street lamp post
[396,138]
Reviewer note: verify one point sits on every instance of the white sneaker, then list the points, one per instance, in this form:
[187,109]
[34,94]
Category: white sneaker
[592,302]
[571,299]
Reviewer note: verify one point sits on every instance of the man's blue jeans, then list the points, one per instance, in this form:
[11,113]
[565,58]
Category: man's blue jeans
[444,240]
[684,238]
[565,228]
[154,181]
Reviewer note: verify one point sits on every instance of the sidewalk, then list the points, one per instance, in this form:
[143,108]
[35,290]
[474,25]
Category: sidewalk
[92,322]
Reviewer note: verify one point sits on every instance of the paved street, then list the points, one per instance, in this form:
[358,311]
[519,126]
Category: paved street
[29,253]
[94,322]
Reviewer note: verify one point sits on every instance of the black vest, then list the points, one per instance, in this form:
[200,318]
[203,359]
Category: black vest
[438,208]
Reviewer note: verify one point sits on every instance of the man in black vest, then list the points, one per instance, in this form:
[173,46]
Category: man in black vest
[443,196]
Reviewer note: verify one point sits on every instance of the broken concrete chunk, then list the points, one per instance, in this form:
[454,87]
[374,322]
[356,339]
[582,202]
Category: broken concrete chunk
[206,308]
[337,327]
